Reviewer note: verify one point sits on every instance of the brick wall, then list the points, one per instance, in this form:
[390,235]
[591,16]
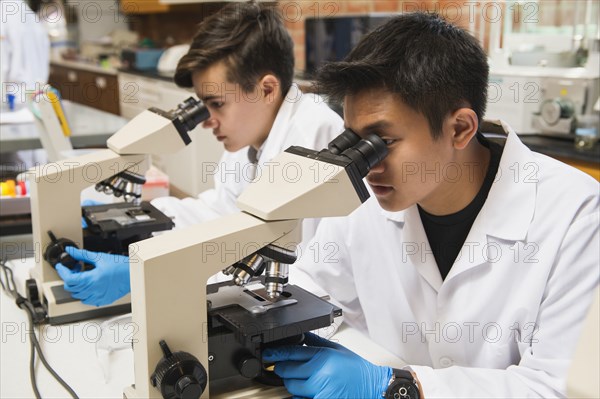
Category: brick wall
[465,13]
[179,24]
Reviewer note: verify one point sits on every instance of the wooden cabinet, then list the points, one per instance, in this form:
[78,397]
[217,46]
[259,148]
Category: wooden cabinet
[95,89]
[142,6]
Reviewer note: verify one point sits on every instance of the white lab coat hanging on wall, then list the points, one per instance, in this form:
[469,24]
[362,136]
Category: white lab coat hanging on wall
[24,50]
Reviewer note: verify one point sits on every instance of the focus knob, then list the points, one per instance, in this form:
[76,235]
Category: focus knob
[56,253]
[249,367]
[188,387]
[179,375]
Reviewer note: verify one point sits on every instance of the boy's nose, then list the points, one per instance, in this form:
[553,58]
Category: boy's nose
[210,123]
[377,169]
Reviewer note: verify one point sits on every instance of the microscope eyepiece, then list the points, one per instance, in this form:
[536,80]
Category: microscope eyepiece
[189,102]
[357,157]
[367,153]
[342,142]
[191,113]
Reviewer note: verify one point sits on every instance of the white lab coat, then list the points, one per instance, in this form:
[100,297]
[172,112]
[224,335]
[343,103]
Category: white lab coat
[24,50]
[505,320]
[303,120]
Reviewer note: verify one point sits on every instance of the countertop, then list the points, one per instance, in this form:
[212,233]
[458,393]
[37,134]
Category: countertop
[90,127]
[96,358]
[152,74]
[559,147]
[82,65]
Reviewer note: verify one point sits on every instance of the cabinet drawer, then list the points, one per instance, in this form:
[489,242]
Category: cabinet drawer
[97,90]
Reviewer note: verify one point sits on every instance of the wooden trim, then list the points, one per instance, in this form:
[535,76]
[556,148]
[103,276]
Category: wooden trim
[592,169]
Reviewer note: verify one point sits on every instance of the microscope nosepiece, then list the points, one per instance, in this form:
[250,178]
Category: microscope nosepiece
[126,184]
[229,270]
[247,268]
[119,187]
[276,278]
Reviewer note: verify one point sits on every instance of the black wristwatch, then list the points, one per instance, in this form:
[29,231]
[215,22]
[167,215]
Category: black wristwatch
[402,386]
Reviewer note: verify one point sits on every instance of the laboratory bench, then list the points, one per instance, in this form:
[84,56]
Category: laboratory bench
[21,148]
[83,65]
[151,74]
[563,149]
[90,127]
[95,356]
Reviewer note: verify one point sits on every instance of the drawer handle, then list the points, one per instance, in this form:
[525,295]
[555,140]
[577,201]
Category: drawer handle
[101,82]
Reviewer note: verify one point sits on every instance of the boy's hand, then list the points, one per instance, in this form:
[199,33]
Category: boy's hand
[104,284]
[325,369]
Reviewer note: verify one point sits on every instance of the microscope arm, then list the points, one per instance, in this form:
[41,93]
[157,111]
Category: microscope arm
[55,197]
[56,190]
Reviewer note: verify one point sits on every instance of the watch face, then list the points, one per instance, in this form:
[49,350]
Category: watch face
[402,389]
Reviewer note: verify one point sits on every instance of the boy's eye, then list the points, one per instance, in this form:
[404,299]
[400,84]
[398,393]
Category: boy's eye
[389,141]
[217,104]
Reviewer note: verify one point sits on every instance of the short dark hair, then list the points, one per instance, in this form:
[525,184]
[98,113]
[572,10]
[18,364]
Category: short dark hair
[36,5]
[250,38]
[433,66]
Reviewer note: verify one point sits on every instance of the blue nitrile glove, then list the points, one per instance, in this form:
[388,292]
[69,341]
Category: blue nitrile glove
[325,369]
[88,202]
[104,284]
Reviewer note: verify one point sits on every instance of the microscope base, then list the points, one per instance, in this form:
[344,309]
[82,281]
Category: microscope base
[62,308]
[242,323]
[238,388]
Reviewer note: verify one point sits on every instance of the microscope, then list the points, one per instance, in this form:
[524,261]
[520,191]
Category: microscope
[195,340]
[55,191]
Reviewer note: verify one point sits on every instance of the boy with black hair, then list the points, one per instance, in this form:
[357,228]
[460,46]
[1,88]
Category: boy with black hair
[480,268]
[241,65]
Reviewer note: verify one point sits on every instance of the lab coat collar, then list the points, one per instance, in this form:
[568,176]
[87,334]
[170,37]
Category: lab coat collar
[280,125]
[394,216]
[506,214]
[510,205]
[508,210]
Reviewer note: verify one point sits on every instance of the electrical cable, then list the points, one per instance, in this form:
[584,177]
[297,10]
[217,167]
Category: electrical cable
[32,376]
[9,286]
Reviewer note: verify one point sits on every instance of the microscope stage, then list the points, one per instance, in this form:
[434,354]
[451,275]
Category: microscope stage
[299,312]
[243,321]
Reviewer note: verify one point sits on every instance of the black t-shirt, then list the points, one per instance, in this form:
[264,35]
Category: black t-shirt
[447,234]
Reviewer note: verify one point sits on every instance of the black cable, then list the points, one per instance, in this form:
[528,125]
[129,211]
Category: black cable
[32,377]
[10,282]
[37,346]
[2,284]
[26,305]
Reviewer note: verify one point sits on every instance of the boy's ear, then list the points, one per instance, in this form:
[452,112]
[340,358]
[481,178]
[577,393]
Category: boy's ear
[463,123]
[270,87]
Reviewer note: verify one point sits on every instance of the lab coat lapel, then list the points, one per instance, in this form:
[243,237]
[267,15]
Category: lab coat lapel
[278,134]
[416,249]
[507,212]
